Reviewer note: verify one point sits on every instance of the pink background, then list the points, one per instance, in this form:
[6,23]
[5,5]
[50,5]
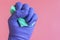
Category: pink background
[48,25]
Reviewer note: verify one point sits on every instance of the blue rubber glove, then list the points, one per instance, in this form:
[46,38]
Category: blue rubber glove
[17,32]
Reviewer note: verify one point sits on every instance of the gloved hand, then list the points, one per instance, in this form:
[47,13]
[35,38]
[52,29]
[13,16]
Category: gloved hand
[17,32]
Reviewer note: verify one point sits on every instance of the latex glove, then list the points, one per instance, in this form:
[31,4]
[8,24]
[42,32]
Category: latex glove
[22,33]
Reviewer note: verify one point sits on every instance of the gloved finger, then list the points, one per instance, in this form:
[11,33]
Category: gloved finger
[20,13]
[18,5]
[13,17]
[13,22]
[30,14]
[33,20]
[25,9]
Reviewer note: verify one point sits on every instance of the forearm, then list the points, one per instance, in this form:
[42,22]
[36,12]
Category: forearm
[15,38]
[20,36]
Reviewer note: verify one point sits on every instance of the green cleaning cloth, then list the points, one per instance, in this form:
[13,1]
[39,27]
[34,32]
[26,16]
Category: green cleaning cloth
[21,21]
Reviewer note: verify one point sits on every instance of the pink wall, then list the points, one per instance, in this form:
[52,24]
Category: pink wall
[48,25]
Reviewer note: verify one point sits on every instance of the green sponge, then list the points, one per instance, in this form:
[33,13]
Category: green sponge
[21,21]
[13,9]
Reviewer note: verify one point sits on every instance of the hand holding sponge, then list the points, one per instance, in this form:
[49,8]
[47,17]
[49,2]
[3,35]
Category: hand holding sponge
[21,21]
